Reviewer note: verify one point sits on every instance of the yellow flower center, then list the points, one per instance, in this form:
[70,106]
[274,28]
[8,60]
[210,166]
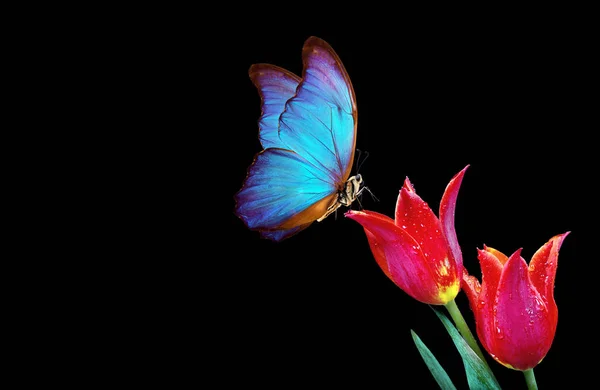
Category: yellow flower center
[448,293]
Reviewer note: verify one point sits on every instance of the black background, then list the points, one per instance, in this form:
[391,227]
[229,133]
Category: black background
[316,309]
[169,287]
[207,300]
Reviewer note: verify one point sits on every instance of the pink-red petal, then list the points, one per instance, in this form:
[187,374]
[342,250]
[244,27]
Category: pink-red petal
[502,258]
[416,218]
[375,246]
[524,331]
[470,285]
[408,266]
[447,211]
[491,270]
[542,267]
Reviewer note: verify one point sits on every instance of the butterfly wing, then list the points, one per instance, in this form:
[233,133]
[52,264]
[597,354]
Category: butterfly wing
[275,86]
[319,122]
[281,193]
[309,154]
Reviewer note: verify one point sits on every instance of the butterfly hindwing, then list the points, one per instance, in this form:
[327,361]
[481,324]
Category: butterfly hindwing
[280,185]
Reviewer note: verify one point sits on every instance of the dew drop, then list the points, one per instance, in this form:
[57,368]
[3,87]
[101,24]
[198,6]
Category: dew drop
[499,333]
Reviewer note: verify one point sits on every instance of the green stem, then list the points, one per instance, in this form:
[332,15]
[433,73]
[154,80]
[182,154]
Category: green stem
[530,379]
[464,330]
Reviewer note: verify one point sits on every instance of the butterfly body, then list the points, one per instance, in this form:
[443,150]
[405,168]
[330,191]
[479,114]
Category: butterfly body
[346,196]
[307,129]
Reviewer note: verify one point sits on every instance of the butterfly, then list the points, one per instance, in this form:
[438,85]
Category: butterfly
[307,129]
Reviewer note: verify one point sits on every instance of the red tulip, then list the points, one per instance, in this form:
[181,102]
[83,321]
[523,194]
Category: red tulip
[514,307]
[418,251]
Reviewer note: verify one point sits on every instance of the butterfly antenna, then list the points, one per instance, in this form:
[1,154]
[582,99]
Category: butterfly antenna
[359,161]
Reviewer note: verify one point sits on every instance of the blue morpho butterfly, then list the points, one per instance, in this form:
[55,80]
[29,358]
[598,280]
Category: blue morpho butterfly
[307,128]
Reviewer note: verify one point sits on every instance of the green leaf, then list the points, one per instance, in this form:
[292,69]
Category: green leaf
[478,374]
[438,372]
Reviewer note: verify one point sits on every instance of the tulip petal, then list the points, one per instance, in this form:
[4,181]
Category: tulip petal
[502,258]
[416,218]
[491,264]
[524,332]
[542,267]
[472,288]
[409,268]
[375,246]
[491,270]
[447,210]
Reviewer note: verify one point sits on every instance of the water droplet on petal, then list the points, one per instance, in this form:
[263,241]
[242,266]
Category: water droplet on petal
[499,333]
